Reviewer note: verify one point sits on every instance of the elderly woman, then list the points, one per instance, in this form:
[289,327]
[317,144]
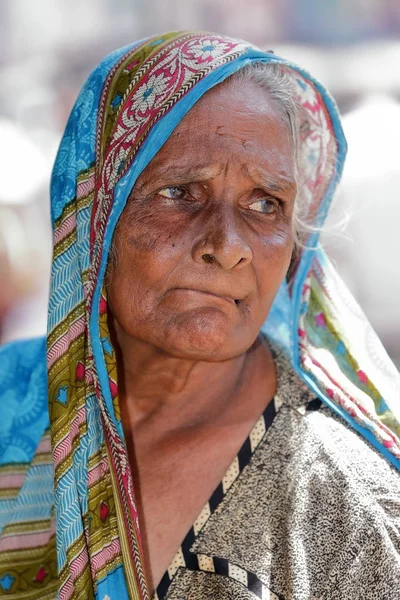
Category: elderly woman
[222,421]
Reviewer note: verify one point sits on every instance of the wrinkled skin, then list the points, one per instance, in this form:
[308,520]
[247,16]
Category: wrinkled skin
[199,254]
[209,234]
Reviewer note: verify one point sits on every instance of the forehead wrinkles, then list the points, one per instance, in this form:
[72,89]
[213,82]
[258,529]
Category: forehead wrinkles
[224,121]
[244,141]
[203,158]
[219,126]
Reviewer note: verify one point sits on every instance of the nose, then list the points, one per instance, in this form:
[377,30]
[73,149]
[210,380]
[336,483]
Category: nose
[221,242]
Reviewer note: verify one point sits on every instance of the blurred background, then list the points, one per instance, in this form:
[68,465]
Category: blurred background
[48,47]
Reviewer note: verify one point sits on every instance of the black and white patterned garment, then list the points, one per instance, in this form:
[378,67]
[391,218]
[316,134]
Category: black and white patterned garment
[308,510]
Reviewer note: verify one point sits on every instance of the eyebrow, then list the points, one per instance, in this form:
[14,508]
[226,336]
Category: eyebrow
[181,173]
[184,174]
[285,183]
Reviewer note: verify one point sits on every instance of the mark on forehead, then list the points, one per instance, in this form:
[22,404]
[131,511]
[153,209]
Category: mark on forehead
[224,134]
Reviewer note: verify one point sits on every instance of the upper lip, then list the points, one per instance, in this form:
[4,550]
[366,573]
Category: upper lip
[225,295]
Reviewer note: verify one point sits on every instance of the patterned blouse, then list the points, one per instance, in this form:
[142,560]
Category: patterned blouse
[308,510]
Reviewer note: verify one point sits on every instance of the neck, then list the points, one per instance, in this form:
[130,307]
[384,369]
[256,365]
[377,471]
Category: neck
[155,387]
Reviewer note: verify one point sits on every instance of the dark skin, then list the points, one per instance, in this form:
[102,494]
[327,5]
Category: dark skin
[201,249]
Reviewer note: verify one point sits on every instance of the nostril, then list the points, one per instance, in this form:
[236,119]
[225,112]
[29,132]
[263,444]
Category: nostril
[208,258]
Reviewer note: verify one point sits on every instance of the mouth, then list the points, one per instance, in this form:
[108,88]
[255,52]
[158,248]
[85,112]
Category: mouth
[229,299]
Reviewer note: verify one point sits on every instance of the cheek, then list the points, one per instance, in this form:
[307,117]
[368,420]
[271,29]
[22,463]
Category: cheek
[130,288]
[146,249]
[273,261]
[279,240]
[151,231]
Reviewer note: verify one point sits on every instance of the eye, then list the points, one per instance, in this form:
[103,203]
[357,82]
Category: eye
[266,205]
[172,193]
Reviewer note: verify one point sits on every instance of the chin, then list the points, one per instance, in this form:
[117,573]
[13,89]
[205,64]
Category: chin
[205,336]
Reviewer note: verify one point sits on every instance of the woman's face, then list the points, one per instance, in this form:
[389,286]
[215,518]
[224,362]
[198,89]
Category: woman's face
[206,237]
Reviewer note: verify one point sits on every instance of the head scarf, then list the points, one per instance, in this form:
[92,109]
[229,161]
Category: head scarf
[128,107]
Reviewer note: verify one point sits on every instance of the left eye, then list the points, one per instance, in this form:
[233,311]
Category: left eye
[173,193]
[267,205]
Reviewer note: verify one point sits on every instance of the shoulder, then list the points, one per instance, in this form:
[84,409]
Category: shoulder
[26,351]
[320,429]
[351,495]
[23,398]
[22,363]
[344,496]
[326,437]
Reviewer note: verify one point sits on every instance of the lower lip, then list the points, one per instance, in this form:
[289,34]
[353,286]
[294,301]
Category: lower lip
[206,294]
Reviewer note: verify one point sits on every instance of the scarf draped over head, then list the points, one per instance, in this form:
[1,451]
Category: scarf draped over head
[126,110]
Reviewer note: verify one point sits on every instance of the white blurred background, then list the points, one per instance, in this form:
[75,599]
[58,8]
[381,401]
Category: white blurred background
[48,47]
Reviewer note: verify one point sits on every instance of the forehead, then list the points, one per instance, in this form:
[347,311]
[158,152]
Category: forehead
[234,122]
